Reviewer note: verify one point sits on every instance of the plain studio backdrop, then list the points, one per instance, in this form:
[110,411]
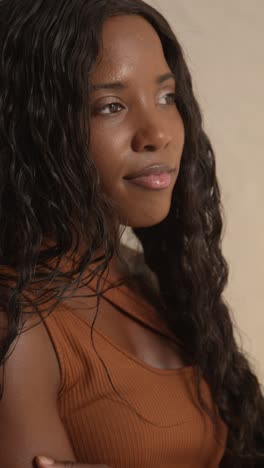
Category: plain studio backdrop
[223,44]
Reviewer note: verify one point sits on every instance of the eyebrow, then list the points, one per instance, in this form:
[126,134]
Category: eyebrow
[119,85]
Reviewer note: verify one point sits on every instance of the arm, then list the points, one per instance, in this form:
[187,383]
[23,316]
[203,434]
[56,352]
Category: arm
[29,420]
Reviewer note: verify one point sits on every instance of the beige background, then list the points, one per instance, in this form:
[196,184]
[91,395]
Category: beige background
[223,43]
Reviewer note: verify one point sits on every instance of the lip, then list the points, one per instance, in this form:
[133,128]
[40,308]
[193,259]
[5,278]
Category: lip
[155,169]
[153,182]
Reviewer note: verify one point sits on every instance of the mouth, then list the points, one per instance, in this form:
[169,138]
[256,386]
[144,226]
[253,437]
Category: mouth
[155,169]
[155,177]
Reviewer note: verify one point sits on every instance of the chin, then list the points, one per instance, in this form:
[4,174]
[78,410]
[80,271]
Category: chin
[140,220]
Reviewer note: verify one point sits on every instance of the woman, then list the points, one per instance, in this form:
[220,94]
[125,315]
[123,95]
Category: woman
[110,356]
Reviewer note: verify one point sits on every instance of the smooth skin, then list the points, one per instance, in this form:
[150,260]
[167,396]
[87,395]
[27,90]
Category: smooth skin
[134,124]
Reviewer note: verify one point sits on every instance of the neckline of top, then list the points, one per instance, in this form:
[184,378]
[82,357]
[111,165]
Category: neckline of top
[113,295]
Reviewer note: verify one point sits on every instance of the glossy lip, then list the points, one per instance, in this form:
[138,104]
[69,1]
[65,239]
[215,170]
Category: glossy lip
[155,169]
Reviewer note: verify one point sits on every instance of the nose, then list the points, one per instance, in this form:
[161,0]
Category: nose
[151,134]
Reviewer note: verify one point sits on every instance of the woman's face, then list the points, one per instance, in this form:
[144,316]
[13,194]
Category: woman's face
[134,121]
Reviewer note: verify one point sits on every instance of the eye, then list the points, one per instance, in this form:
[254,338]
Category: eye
[168,98]
[111,108]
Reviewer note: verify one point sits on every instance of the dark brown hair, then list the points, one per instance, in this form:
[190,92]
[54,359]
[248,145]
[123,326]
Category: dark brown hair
[49,185]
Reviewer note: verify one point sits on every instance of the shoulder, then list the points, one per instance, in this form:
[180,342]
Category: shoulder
[31,364]
[28,408]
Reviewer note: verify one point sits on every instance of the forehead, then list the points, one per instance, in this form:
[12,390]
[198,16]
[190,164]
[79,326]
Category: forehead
[130,44]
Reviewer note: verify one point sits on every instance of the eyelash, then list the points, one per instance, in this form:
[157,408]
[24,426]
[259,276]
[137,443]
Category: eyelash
[100,110]
[108,106]
[171,95]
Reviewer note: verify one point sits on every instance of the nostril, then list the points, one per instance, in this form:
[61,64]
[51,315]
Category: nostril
[149,148]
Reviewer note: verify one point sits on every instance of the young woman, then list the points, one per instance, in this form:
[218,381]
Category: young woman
[111,356]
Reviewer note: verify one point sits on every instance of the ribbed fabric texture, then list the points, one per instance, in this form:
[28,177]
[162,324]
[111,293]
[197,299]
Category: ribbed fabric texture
[154,422]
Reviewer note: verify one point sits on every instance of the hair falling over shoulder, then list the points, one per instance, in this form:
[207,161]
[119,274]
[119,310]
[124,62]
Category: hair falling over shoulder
[49,188]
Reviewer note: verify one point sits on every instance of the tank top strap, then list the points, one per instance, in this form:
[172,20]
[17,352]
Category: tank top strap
[128,301]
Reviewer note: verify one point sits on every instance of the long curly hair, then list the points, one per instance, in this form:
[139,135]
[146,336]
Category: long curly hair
[49,187]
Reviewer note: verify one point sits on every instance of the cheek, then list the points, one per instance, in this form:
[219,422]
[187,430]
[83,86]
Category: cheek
[108,150]
[180,132]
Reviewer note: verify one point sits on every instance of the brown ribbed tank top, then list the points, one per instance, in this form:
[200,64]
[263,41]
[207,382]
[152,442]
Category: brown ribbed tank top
[154,421]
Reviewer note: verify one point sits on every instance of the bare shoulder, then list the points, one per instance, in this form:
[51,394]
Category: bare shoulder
[31,359]
[28,409]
